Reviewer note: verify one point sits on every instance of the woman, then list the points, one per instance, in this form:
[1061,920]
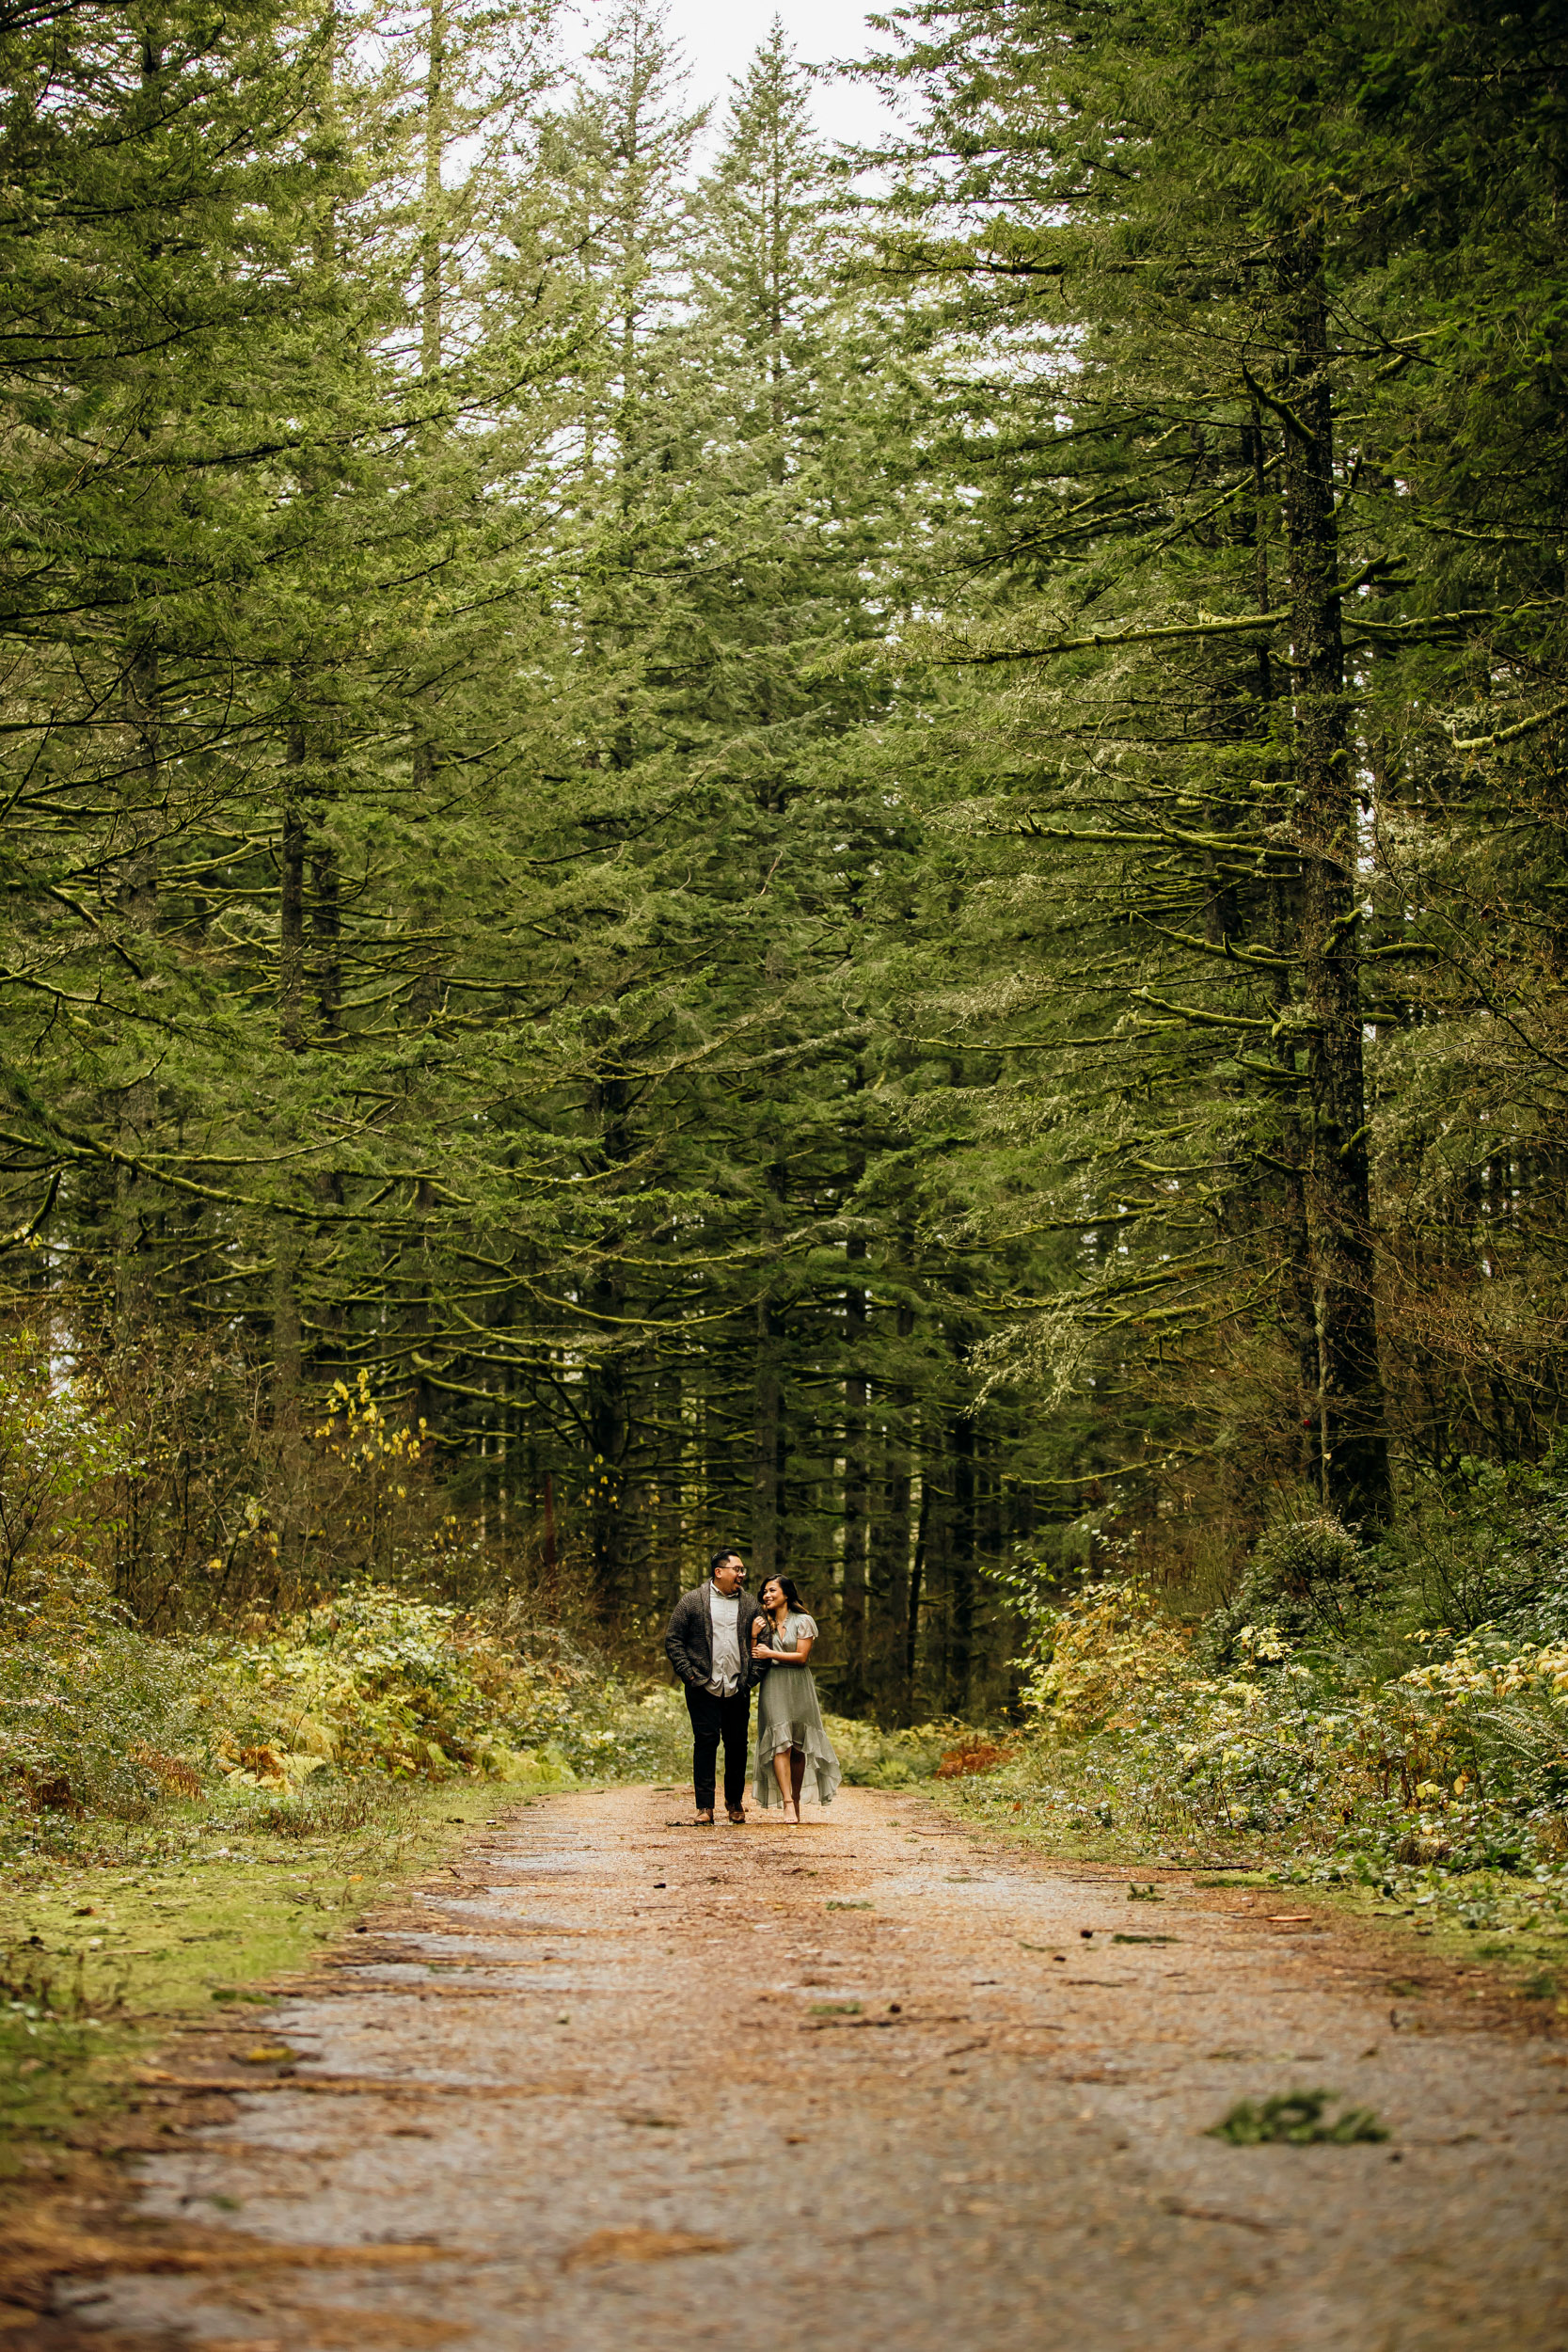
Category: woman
[789,1722]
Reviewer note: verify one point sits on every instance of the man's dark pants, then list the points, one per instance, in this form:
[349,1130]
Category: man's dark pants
[714,1719]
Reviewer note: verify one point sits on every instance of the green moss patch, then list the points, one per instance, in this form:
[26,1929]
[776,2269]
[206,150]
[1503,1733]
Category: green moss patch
[1297,2119]
[102,1959]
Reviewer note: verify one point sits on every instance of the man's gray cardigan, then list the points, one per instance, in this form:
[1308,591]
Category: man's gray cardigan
[688,1637]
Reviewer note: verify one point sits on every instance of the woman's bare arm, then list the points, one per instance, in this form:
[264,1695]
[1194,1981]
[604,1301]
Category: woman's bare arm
[787,1657]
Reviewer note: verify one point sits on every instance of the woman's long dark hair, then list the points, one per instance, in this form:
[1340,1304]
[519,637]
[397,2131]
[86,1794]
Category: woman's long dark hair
[788,1586]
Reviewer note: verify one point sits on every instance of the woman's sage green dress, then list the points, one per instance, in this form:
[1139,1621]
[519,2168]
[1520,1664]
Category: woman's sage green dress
[789,1716]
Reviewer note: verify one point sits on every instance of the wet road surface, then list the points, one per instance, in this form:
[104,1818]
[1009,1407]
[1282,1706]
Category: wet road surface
[613,2084]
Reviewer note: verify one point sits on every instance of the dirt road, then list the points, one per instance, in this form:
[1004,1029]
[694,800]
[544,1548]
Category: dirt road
[613,2084]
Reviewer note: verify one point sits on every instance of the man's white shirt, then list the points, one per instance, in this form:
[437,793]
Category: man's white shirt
[725,1679]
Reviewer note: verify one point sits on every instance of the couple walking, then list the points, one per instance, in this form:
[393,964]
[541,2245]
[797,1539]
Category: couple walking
[723,1643]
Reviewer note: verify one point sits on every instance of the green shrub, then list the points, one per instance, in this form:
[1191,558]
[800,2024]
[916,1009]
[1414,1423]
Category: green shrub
[874,1759]
[1307,1579]
[1328,1721]
[100,1722]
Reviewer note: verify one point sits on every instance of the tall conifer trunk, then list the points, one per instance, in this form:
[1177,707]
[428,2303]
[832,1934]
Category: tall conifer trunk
[610,1381]
[1295,1288]
[287,1352]
[890,1540]
[136,903]
[857,1488]
[1352,1446]
[291,901]
[961,1639]
[765,1449]
[910,1661]
[435,148]
[326,935]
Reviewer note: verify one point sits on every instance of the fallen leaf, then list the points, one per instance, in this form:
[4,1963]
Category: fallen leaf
[1212,2212]
[638,2245]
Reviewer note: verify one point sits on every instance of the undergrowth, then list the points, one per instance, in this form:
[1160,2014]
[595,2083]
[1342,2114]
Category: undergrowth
[1393,1719]
[104,1729]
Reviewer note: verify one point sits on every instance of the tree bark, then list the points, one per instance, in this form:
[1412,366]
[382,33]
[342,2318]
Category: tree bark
[857,1489]
[918,1581]
[137,904]
[609,1377]
[287,1352]
[1352,1445]
[961,1639]
[1295,1289]
[435,149]
[326,929]
[291,902]
[890,1541]
[764,1454]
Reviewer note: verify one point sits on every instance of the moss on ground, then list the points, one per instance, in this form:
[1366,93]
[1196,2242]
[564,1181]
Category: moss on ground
[102,1956]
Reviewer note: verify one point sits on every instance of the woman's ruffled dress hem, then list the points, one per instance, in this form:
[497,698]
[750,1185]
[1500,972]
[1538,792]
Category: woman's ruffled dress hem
[796,1732]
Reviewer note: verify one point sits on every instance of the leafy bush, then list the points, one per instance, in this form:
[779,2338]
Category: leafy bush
[1094,1657]
[100,1721]
[873,1759]
[97,1720]
[1326,1718]
[376,1681]
[1307,1578]
[1458,1764]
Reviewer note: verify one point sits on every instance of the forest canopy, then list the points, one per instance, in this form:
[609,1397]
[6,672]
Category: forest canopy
[711,840]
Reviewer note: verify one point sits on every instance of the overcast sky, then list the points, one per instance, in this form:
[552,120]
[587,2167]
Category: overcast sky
[719,37]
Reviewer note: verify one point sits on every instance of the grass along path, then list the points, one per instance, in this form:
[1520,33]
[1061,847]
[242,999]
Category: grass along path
[126,1931]
[102,1958]
[1505,1933]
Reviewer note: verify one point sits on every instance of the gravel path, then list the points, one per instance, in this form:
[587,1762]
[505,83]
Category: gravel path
[613,2084]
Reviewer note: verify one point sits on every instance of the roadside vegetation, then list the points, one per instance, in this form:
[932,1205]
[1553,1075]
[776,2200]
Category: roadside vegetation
[1386,1721]
[184,1821]
[413,1646]
[111,1945]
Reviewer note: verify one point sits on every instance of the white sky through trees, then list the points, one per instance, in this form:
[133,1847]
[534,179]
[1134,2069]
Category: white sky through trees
[717,38]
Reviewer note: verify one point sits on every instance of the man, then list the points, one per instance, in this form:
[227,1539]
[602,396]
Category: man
[709,1641]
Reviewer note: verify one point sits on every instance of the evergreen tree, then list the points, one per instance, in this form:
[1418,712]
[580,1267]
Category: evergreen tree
[1186,505]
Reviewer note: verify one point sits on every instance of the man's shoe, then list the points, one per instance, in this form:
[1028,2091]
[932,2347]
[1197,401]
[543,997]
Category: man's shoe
[705,1820]
[738,1814]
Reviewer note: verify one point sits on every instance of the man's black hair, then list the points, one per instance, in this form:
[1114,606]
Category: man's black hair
[725,1551]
